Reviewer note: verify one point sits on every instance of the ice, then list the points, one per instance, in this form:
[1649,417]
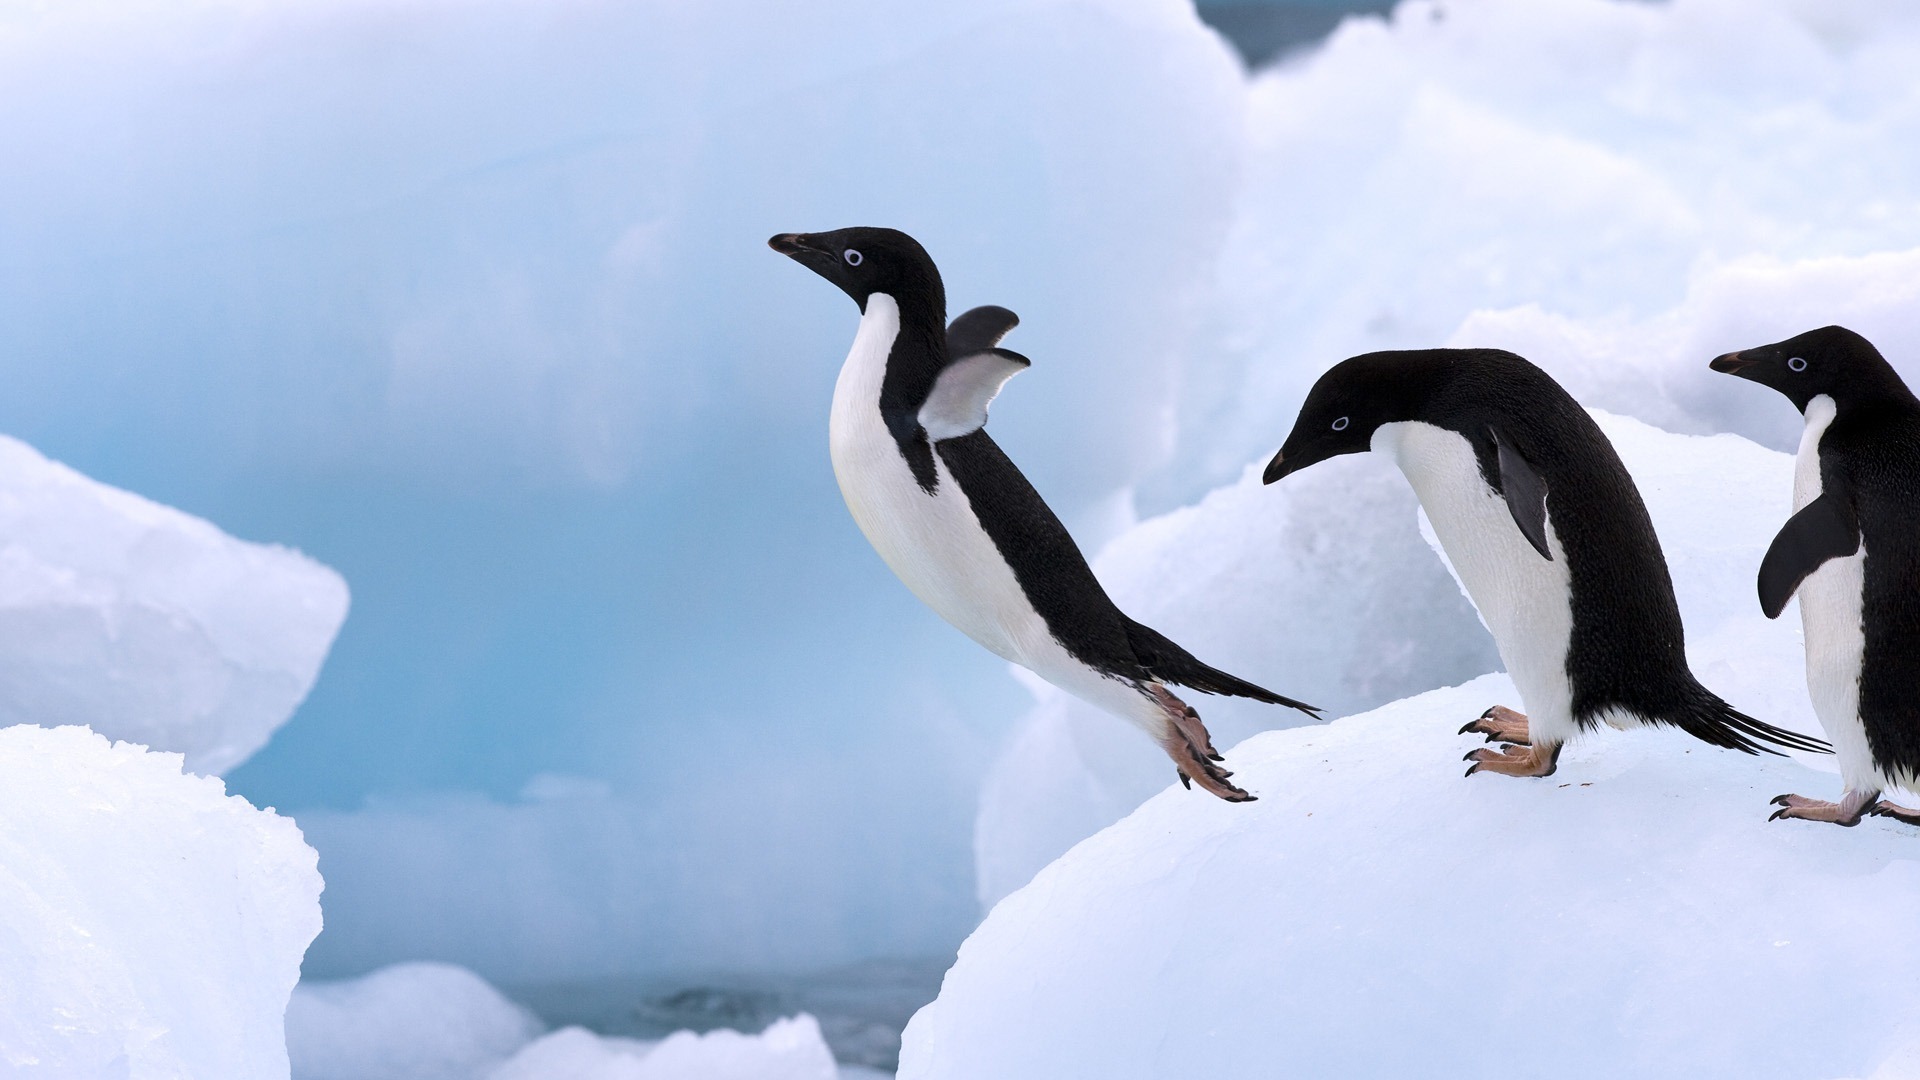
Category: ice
[149,624]
[1636,913]
[789,1049]
[417,1021]
[151,925]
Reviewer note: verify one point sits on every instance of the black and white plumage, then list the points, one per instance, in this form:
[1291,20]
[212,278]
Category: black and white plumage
[956,520]
[1546,531]
[1851,551]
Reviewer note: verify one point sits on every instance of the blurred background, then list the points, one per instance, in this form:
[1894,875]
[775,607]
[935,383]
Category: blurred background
[471,302]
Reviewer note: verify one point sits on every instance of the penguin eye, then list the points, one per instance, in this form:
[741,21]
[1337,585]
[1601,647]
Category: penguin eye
[853,257]
[1340,424]
[1795,363]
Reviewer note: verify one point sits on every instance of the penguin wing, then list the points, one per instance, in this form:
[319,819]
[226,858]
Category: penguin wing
[1170,663]
[961,392]
[978,329]
[1526,494]
[1823,529]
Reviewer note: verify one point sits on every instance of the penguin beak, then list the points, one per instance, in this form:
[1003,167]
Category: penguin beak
[791,244]
[1277,468]
[1732,363]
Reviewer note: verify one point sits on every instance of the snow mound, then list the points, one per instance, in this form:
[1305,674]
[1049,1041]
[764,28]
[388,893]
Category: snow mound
[149,624]
[790,1049]
[419,1021]
[1319,587]
[1375,914]
[151,926]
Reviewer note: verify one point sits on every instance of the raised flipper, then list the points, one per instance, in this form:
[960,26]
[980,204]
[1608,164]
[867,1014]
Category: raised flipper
[1526,494]
[964,388]
[1823,529]
[978,329]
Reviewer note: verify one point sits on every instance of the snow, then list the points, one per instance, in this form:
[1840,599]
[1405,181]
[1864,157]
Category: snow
[416,1021]
[151,925]
[149,624]
[789,1049]
[1634,914]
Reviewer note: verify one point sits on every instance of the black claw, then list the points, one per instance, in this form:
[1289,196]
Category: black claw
[1779,800]
[1185,780]
[1489,712]
[1470,755]
[1467,728]
[1777,815]
[1473,768]
[1216,757]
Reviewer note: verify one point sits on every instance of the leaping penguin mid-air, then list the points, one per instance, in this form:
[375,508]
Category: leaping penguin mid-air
[956,520]
[1548,534]
[1852,551]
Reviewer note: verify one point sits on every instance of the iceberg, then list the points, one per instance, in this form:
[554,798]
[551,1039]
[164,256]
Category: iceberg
[415,1021]
[151,925]
[148,624]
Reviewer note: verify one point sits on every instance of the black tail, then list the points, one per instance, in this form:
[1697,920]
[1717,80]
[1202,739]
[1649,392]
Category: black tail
[1170,663]
[1707,718]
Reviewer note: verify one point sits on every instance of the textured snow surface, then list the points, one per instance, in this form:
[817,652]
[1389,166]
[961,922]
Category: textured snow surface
[789,1049]
[418,1021]
[148,624]
[151,926]
[1338,548]
[1377,914]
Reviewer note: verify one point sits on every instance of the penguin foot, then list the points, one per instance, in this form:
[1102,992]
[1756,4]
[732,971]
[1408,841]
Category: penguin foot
[1500,724]
[1883,808]
[1845,813]
[1514,760]
[1188,722]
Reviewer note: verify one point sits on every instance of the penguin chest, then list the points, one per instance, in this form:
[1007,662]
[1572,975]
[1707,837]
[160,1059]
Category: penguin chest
[1830,616]
[932,541]
[1524,600]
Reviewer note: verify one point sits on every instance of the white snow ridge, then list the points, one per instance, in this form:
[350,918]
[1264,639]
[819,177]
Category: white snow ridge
[149,624]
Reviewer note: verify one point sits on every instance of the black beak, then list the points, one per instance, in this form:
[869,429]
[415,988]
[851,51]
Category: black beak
[1276,468]
[788,243]
[1732,363]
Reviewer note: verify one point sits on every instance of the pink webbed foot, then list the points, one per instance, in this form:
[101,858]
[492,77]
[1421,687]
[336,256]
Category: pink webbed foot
[1500,724]
[1845,813]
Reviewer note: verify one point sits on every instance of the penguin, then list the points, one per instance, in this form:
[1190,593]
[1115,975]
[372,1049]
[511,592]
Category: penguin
[1548,534]
[956,520]
[1851,551]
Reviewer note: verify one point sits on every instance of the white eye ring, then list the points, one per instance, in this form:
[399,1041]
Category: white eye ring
[1340,424]
[853,257]
[1795,363]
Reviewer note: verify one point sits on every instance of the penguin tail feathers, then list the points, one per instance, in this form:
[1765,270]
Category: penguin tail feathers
[1170,663]
[1713,721]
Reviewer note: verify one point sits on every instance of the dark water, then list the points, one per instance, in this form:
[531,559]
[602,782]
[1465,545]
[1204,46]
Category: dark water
[862,1009]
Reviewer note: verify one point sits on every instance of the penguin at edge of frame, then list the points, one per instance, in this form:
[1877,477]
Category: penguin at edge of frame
[956,520]
[1851,551]
[1548,533]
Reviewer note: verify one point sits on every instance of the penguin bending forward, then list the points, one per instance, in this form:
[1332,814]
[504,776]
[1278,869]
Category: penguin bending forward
[1852,552]
[956,520]
[1548,534]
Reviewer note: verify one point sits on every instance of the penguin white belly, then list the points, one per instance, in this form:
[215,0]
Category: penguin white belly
[1830,620]
[1524,600]
[934,543]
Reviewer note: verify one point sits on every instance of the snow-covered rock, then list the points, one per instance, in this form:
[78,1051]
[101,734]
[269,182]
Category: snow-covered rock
[790,1049]
[149,624]
[1377,914]
[1321,588]
[151,926]
[418,1021]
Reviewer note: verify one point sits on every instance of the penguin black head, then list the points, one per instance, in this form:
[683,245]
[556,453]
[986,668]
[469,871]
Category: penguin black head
[864,261]
[1354,398]
[1832,360]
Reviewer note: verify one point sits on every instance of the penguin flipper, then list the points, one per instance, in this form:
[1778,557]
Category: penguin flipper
[1170,663]
[1823,529]
[957,405]
[978,329]
[1526,494]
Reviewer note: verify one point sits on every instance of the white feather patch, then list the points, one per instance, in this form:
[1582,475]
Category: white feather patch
[963,390]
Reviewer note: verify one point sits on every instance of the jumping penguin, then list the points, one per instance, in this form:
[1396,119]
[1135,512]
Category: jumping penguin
[1852,551]
[1548,534]
[956,520]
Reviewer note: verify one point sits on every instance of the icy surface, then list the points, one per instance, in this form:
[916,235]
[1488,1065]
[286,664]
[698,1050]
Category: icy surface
[151,926]
[148,624]
[418,1021]
[789,1049]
